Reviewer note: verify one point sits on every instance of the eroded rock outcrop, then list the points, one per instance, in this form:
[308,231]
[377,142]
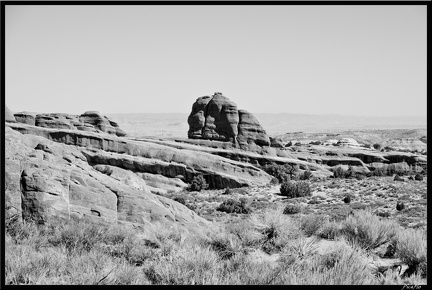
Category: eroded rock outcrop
[45,178]
[25,118]
[90,121]
[217,118]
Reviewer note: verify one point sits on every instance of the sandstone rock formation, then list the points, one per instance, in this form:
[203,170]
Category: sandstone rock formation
[90,121]
[217,118]
[9,117]
[46,178]
[25,118]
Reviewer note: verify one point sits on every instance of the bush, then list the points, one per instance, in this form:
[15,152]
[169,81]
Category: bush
[180,199]
[282,173]
[380,171]
[329,230]
[398,178]
[292,209]
[418,177]
[226,191]
[234,206]
[198,183]
[411,248]
[367,230]
[339,172]
[400,205]
[347,198]
[360,176]
[377,146]
[306,175]
[310,224]
[292,189]
[383,213]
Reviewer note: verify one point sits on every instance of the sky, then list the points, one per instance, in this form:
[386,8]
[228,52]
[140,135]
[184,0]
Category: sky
[304,59]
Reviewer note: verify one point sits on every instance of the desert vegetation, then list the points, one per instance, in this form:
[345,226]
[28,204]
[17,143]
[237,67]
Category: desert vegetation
[91,205]
[269,247]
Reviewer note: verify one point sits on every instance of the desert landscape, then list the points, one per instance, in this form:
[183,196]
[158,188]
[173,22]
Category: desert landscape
[214,196]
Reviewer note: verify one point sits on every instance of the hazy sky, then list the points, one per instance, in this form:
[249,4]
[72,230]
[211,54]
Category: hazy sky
[350,60]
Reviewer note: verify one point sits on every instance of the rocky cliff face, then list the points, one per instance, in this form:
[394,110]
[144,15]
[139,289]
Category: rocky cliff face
[217,118]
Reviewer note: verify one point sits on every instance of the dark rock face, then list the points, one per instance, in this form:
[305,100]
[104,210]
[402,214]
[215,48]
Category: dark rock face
[90,121]
[217,118]
[197,117]
[9,117]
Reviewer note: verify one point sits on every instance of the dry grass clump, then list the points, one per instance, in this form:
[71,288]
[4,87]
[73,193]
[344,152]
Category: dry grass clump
[411,248]
[311,224]
[83,252]
[367,230]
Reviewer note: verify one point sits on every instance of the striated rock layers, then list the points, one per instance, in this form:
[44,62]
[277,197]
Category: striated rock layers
[69,172]
[217,118]
[44,178]
[90,121]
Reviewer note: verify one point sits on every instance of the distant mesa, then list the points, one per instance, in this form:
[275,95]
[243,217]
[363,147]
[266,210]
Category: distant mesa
[91,121]
[217,118]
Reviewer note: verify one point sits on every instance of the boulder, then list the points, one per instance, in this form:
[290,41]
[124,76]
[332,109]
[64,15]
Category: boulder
[217,118]
[9,116]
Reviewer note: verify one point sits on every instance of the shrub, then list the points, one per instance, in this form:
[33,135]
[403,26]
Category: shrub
[411,248]
[292,189]
[365,229]
[339,172]
[380,171]
[306,175]
[400,205]
[350,172]
[274,228]
[418,177]
[282,173]
[234,206]
[292,209]
[347,198]
[226,191]
[360,176]
[383,213]
[377,146]
[315,200]
[398,178]
[180,199]
[198,183]
[329,230]
[310,224]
